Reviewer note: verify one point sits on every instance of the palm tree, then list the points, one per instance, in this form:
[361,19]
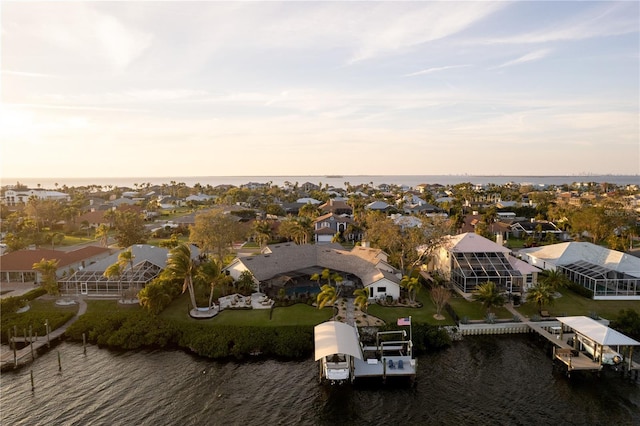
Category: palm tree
[125,258]
[211,272]
[541,294]
[412,285]
[102,233]
[554,279]
[154,297]
[115,270]
[316,277]
[489,295]
[182,266]
[327,296]
[48,269]
[262,232]
[362,298]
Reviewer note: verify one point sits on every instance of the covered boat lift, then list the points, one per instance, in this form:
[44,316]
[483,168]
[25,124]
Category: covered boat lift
[599,341]
[336,346]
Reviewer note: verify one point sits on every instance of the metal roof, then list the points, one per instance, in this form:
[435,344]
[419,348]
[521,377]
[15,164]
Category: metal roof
[597,332]
[335,337]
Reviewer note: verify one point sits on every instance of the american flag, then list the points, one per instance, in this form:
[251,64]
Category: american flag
[404,321]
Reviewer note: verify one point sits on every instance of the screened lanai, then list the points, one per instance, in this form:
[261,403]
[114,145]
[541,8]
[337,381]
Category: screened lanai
[470,269]
[95,283]
[603,281]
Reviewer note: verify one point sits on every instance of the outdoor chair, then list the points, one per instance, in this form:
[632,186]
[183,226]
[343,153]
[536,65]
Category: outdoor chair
[400,364]
[391,365]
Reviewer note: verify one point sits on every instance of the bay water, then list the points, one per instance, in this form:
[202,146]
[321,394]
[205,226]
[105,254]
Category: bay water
[493,380]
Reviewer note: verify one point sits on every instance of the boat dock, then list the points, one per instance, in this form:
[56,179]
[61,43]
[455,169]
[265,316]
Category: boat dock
[342,357]
[15,358]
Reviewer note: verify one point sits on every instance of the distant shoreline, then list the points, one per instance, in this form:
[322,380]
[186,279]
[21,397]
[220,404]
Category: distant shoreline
[332,180]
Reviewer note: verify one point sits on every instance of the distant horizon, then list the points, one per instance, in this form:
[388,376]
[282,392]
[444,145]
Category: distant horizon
[335,180]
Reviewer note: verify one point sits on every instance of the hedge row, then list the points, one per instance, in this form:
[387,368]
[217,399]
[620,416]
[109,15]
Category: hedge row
[138,329]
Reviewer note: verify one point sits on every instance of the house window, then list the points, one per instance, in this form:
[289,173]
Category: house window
[381,290]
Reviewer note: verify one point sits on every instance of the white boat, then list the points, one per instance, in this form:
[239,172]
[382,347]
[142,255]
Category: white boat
[609,356]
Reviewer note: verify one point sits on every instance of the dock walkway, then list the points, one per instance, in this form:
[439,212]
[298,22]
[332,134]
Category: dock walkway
[562,352]
[24,355]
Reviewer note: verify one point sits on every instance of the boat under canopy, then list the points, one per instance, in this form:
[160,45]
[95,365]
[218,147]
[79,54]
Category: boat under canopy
[598,339]
[335,337]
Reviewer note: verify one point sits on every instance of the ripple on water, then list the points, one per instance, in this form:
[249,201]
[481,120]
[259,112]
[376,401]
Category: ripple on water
[482,380]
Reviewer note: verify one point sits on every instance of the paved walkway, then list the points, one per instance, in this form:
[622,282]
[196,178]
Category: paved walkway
[350,315]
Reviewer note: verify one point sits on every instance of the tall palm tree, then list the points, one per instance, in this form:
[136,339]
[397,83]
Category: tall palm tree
[115,270]
[554,279]
[102,233]
[327,296]
[541,295]
[125,258]
[182,266]
[48,269]
[210,272]
[262,232]
[489,295]
[362,298]
[412,285]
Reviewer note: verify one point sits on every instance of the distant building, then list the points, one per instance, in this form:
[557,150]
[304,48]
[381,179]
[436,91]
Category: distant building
[14,197]
[609,274]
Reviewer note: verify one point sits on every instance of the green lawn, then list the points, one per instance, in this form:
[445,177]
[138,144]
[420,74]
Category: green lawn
[475,310]
[573,304]
[390,314]
[299,314]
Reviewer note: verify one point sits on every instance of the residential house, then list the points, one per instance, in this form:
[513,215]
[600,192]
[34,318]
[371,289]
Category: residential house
[17,266]
[609,274]
[148,262]
[539,229]
[291,266]
[325,227]
[14,197]
[336,207]
[468,260]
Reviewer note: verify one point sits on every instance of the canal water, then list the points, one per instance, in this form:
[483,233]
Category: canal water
[494,380]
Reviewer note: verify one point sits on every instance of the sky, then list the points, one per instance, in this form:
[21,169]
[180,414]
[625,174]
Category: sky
[108,89]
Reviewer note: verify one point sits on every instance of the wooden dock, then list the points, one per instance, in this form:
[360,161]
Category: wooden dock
[10,359]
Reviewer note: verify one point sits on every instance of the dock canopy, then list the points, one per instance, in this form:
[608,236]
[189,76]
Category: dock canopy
[335,337]
[597,332]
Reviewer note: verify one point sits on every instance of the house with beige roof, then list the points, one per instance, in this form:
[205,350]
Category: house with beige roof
[291,266]
[609,274]
[469,259]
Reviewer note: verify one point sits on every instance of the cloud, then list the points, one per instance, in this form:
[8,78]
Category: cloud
[529,57]
[28,74]
[388,28]
[611,19]
[436,69]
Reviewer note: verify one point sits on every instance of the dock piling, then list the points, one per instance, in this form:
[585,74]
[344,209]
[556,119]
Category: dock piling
[84,344]
[59,362]
[32,385]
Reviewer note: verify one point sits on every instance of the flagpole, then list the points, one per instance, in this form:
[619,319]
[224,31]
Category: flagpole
[410,334]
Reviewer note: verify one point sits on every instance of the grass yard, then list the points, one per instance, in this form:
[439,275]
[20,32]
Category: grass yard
[475,311]
[390,314]
[571,304]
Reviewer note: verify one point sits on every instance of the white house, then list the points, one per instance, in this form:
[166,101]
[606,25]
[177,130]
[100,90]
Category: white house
[469,259]
[289,265]
[609,274]
[13,196]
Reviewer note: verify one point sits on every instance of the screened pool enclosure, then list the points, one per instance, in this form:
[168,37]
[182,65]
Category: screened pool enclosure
[604,282]
[468,270]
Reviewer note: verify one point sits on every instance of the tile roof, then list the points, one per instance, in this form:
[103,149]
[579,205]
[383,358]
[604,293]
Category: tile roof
[283,258]
[23,260]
